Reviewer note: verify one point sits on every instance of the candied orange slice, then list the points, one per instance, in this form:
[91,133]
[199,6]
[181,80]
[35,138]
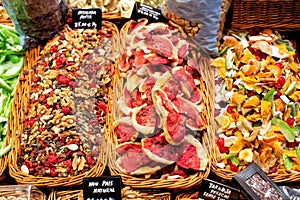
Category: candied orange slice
[248,69]
[223,121]
[247,56]
[237,146]
[275,70]
[252,102]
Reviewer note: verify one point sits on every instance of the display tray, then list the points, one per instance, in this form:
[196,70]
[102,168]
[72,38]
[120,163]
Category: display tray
[78,148]
[162,171]
[127,194]
[254,109]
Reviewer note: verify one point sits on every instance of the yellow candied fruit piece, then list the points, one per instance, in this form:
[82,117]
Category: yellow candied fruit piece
[295,96]
[294,67]
[219,62]
[237,98]
[252,102]
[282,48]
[254,117]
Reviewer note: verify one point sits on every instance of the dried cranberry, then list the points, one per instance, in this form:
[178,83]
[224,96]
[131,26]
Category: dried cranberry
[101,106]
[233,167]
[53,49]
[257,57]
[279,64]
[220,142]
[278,86]
[68,163]
[281,80]
[290,121]
[277,95]
[230,109]
[53,172]
[92,85]
[47,106]
[52,158]
[62,79]
[90,160]
[65,110]
[59,60]
[48,164]
[291,144]
[71,84]
[260,150]
[273,170]
[31,121]
[250,93]
[224,149]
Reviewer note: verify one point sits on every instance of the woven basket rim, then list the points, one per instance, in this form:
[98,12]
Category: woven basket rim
[14,170]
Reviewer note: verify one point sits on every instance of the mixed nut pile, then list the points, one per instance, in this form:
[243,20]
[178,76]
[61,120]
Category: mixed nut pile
[65,119]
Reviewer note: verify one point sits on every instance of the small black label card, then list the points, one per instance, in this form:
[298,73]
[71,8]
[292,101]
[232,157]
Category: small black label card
[102,188]
[144,11]
[211,190]
[87,18]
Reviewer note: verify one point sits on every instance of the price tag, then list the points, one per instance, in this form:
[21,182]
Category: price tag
[87,18]
[102,188]
[211,190]
[145,11]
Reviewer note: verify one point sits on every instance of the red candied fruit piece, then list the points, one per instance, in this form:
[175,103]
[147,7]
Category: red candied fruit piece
[273,170]
[290,121]
[72,84]
[230,109]
[233,167]
[65,110]
[281,80]
[220,144]
[63,79]
[291,144]
[101,106]
[279,64]
[278,94]
[277,86]
[250,93]
[52,158]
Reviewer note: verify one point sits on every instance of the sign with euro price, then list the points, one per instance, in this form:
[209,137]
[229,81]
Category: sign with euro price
[87,18]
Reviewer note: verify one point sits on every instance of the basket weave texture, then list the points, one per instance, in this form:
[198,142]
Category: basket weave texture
[145,181]
[276,14]
[127,194]
[20,102]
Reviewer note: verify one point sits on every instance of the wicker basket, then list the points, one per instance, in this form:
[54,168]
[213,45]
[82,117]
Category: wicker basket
[20,102]
[127,194]
[276,14]
[138,182]
[187,196]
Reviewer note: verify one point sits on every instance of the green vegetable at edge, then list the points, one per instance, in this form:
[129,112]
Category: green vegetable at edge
[270,97]
[4,85]
[6,149]
[291,88]
[224,50]
[233,159]
[293,107]
[285,129]
[288,163]
[298,154]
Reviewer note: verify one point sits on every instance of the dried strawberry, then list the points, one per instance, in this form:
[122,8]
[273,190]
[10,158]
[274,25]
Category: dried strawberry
[59,60]
[290,121]
[277,86]
[63,79]
[65,110]
[220,142]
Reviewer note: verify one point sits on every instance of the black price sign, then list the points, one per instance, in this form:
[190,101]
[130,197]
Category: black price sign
[87,18]
[102,188]
[144,11]
[211,190]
